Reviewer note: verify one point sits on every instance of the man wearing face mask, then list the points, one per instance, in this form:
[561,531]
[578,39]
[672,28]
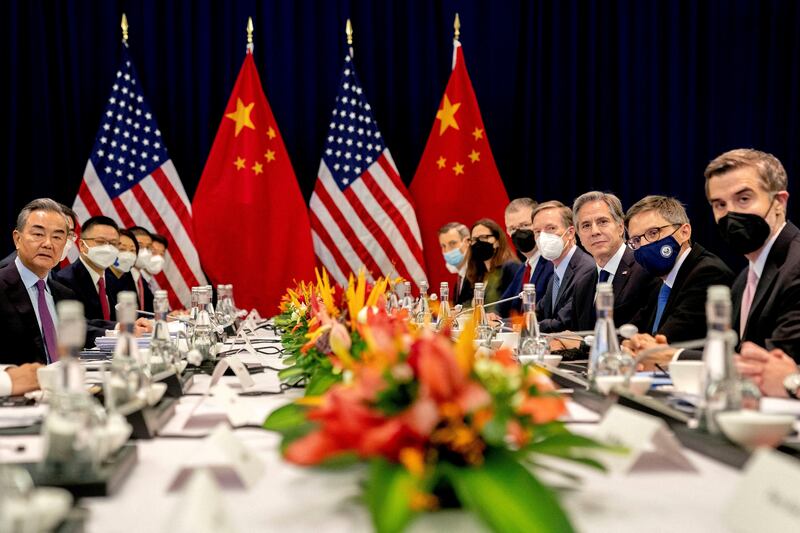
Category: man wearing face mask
[454,241]
[145,244]
[535,269]
[660,236]
[118,275]
[601,229]
[555,239]
[99,248]
[157,260]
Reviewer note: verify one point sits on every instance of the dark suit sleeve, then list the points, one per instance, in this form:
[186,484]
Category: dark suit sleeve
[786,333]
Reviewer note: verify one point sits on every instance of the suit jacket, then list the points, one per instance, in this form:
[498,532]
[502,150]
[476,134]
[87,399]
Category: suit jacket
[633,288]
[684,316]
[464,296]
[581,266]
[125,282]
[541,276]
[77,277]
[22,340]
[8,259]
[774,320]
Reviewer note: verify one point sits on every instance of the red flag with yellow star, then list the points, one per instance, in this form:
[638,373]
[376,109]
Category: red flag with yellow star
[457,179]
[250,219]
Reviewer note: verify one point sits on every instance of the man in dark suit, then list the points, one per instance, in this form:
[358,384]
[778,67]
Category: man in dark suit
[144,242]
[454,242]
[535,269]
[28,296]
[555,239]
[747,192]
[661,236]
[599,220]
[72,221]
[99,247]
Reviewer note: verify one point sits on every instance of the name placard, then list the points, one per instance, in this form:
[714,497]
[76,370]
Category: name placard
[768,495]
[248,466]
[650,442]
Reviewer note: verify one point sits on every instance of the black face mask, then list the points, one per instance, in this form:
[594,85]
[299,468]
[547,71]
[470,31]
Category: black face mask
[744,232]
[523,240]
[482,251]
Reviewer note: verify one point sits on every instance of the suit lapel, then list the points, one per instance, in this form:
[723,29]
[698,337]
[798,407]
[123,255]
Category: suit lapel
[686,268]
[18,294]
[622,275]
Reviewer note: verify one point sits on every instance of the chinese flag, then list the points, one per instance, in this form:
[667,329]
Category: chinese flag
[457,179]
[250,219]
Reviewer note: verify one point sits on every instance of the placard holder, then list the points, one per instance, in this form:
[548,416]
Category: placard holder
[147,421]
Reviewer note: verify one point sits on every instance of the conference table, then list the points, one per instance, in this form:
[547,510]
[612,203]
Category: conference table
[656,497]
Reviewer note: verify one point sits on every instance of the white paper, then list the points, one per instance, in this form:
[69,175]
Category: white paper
[768,495]
[240,370]
[247,464]
[202,508]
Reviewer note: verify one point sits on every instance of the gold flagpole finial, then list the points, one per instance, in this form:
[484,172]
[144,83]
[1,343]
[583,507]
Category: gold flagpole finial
[249,30]
[457,27]
[124,26]
[348,30]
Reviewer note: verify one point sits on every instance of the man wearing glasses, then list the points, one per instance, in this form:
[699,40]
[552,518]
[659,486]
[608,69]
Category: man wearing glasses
[99,247]
[660,236]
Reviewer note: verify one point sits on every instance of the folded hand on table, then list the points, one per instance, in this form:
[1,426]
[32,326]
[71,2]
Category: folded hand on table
[23,378]
[641,342]
[767,369]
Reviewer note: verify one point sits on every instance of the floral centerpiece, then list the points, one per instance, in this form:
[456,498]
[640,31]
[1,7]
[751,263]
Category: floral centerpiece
[438,427]
[319,336]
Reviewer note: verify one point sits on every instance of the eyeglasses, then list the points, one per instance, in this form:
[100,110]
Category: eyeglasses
[514,229]
[650,235]
[101,241]
[482,238]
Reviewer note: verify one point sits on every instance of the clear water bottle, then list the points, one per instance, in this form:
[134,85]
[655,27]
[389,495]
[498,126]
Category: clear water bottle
[407,302]
[483,331]
[422,315]
[606,358]
[164,353]
[445,317]
[222,313]
[394,297]
[724,390]
[71,340]
[127,377]
[203,337]
[531,343]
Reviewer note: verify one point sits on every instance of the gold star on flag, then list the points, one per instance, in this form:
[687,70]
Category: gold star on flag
[441,162]
[475,156]
[478,133]
[447,115]
[258,168]
[239,163]
[271,133]
[458,169]
[242,116]
[270,155]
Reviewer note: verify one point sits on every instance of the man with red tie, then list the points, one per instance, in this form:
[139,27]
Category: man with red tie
[454,241]
[99,247]
[145,254]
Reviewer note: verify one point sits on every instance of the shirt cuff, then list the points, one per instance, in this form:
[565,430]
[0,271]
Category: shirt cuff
[5,383]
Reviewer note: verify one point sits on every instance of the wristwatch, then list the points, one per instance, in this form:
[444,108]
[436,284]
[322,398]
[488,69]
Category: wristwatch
[792,385]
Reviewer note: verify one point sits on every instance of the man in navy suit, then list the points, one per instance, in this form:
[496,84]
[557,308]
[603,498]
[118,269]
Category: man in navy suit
[99,247]
[555,239]
[535,269]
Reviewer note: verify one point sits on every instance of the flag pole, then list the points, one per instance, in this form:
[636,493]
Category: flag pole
[250,34]
[124,26]
[456,37]
[348,31]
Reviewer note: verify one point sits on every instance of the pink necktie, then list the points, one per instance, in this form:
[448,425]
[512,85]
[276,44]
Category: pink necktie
[747,299]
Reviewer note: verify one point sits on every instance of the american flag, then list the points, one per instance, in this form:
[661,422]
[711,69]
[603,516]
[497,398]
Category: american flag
[130,178]
[361,212]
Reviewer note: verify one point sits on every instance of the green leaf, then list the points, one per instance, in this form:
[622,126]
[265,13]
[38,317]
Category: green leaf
[507,497]
[287,417]
[292,371]
[388,495]
[320,381]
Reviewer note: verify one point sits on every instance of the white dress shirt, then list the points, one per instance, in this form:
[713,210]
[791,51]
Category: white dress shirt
[5,381]
[613,263]
[670,279]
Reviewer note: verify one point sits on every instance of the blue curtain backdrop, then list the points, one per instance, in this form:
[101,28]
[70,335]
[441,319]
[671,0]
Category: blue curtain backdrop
[632,96]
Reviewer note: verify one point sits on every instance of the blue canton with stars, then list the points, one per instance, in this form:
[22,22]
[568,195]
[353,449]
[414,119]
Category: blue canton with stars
[128,146]
[353,141]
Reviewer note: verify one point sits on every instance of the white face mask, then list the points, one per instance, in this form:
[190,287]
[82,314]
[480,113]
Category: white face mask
[67,247]
[103,256]
[550,246]
[156,264]
[125,261]
[143,260]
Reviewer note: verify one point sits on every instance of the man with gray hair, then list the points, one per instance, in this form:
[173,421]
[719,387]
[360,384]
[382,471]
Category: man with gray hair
[601,230]
[454,241]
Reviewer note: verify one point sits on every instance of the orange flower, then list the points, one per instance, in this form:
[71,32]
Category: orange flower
[543,409]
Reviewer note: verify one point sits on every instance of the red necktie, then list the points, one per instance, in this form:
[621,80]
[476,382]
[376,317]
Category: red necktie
[526,274]
[103,298]
[140,290]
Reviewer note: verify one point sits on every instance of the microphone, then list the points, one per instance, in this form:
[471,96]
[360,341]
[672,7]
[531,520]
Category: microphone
[510,299]
[625,330]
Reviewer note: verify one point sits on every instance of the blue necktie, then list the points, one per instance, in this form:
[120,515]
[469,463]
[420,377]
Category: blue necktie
[663,296]
[556,286]
[604,275]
